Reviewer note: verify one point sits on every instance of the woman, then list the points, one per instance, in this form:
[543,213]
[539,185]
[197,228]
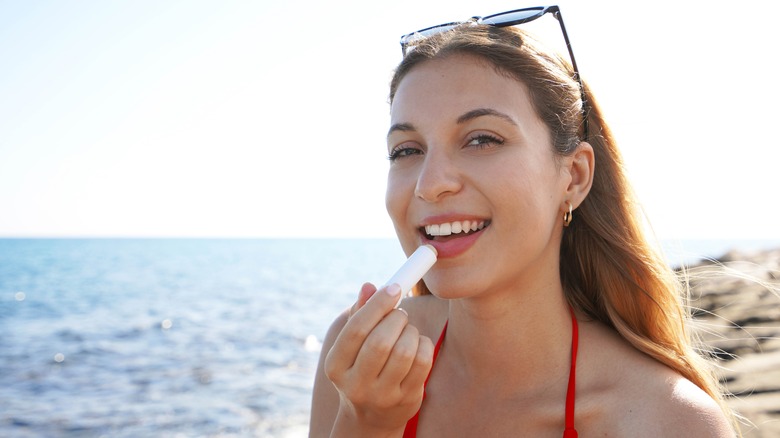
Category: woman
[547,312]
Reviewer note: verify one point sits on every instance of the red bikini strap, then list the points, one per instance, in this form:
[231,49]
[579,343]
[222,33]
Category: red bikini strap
[411,425]
[570,431]
[437,348]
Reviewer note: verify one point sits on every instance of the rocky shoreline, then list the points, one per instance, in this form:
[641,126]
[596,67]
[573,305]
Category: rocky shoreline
[737,310]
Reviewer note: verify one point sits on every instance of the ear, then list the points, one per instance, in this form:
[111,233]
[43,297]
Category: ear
[579,167]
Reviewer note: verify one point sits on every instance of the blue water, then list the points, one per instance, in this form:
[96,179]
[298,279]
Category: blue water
[178,337]
[170,337]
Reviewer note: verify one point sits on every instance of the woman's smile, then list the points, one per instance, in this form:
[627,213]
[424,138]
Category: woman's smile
[452,237]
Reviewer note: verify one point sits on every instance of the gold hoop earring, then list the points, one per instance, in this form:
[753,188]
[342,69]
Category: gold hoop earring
[567,216]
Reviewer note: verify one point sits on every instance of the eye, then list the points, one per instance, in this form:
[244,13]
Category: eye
[402,151]
[484,141]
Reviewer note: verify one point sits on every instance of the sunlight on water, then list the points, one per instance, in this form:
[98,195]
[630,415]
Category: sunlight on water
[171,337]
[312,343]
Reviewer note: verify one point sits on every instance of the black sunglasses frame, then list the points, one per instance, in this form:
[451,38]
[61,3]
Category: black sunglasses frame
[506,19]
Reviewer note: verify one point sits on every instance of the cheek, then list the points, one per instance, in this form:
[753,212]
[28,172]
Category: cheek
[523,192]
[397,201]
[396,197]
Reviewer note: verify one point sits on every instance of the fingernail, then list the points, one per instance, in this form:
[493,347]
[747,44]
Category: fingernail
[393,290]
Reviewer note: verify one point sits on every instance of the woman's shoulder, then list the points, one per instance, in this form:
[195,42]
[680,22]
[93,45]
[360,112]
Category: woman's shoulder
[625,392]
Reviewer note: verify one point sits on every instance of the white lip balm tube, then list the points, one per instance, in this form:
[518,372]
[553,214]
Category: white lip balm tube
[413,269]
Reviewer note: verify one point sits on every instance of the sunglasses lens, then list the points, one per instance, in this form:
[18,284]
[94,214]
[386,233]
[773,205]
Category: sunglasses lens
[512,18]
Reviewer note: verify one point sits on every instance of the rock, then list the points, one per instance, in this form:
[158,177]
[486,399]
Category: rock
[736,305]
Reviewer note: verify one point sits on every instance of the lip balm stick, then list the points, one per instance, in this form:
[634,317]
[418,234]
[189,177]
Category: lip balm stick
[413,269]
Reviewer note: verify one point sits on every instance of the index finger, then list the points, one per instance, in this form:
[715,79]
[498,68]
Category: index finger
[366,291]
[360,325]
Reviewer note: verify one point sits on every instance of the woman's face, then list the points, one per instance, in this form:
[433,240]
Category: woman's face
[473,173]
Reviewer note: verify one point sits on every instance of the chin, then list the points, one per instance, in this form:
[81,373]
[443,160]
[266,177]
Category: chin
[449,287]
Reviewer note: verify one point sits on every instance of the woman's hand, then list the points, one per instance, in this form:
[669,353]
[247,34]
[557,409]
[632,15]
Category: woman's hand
[378,363]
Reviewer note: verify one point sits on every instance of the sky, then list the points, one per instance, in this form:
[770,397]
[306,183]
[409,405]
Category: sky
[228,118]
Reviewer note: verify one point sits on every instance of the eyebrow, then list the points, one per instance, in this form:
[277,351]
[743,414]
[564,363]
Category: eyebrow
[471,115]
[480,112]
[403,127]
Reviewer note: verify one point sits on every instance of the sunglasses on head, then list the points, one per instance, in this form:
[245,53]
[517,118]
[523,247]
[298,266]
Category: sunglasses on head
[505,19]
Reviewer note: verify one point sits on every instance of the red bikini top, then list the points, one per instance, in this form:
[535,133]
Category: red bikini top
[568,432]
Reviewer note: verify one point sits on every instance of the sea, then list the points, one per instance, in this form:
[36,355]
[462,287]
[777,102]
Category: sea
[183,337]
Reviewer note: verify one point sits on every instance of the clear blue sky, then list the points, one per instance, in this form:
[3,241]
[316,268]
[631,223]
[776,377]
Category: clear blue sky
[260,118]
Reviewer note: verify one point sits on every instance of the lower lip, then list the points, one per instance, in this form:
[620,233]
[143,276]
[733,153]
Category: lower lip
[454,247]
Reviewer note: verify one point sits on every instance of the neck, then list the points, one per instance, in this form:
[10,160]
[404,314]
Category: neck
[526,333]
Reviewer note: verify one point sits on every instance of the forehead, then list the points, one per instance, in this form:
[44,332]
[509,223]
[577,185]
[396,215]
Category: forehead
[448,87]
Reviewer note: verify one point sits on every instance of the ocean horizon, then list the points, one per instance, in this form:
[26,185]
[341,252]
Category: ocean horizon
[126,337]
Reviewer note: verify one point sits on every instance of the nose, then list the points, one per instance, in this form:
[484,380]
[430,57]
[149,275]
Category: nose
[439,177]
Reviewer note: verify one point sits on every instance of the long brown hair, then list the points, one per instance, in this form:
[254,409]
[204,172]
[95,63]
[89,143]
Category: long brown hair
[609,270]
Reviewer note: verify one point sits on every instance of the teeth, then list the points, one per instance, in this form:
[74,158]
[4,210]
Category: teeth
[449,228]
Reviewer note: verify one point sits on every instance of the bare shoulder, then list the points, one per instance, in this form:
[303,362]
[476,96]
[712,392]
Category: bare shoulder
[689,406]
[628,393]
[325,399]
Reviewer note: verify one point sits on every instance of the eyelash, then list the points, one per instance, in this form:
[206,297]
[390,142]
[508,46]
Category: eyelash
[402,152]
[483,141]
